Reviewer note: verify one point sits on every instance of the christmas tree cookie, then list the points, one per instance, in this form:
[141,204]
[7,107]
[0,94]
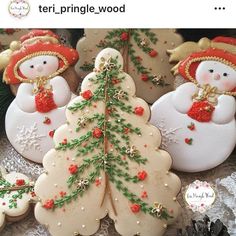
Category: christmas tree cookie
[107,161]
[36,62]
[199,116]
[16,195]
[144,53]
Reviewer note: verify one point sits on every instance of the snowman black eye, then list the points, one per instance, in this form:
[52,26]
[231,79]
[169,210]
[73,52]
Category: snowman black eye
[45,62]
[31,66]
[211,71]
[225,74]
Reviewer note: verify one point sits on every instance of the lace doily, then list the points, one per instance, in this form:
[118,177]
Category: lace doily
[223,178]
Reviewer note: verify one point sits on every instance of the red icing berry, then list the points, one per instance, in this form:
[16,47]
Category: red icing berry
[73,169]
[138,111]
[144,194]
[87,94]
[44,101]
[47,121]
[115,81]
[135,208]
[126,130]
[64,142]
[97,182]
[142,175]
[201,111]
[20,182]
[144,77]
[51,133]
[62,194]
[191,126]
[138,58]
[189,141]
[124,36]
[97,133]
[3,203]
[49,204]
[153,53]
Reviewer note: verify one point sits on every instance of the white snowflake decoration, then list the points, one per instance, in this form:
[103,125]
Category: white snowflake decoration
[168,135]
[29,138]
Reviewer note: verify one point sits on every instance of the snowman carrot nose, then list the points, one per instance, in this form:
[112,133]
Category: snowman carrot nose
[216,76]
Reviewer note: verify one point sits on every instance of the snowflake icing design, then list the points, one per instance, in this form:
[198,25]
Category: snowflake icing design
[29,138]
[168,135]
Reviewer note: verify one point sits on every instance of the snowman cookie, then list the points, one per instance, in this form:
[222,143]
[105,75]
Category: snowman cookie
[39,107]
[198,118]
[16,196]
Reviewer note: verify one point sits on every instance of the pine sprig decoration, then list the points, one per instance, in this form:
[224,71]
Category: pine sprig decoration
[19,188]
[120,40]
[108,128]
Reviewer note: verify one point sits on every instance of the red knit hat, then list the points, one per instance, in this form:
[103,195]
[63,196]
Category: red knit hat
[36,43]
[187,68]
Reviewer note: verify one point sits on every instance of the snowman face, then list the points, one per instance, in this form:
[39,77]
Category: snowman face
[217,75]
[39,66]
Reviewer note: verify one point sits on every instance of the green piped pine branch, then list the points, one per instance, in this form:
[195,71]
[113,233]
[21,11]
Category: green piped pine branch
[6,188]
[114,39]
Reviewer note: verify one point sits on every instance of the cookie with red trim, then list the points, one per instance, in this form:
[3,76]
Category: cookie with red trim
[16,197]
[37,64]
[206,100]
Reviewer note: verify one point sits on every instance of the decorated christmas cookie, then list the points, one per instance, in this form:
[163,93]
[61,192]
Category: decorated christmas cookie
[39,107]
[9,35]
[198,118]
[187,48]
[144,53]
[107,161]
[16,195]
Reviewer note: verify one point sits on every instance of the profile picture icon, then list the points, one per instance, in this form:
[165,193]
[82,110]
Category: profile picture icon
[19,8]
